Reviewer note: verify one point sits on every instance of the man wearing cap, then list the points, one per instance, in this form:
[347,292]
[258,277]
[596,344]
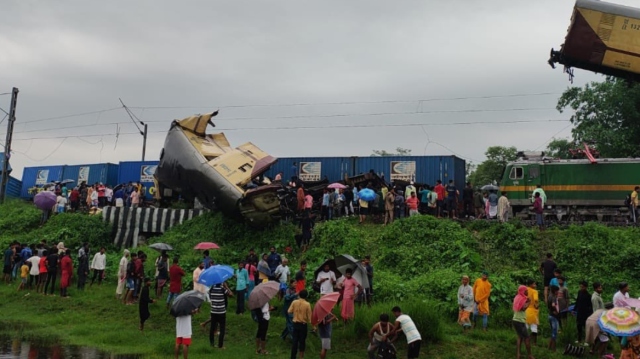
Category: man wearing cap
[481,293]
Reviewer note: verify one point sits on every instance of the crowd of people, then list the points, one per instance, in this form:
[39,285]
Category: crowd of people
[87,197]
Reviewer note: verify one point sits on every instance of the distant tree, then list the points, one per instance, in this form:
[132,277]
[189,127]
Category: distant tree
[607,114]
[492,168]
[470,167]
[559,148]
[399,152]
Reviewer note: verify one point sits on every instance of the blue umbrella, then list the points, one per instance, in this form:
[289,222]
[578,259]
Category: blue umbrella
[367,194]
[215,275]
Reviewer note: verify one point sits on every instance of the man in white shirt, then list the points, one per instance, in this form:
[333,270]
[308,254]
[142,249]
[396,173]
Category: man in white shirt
[61,203]
[406,324]
[282,274]
[98,265]
[34,272]
[621,296]
[326,279]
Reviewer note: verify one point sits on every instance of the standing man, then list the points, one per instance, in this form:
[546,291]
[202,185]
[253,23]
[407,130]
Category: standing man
[122,274]
[218,297]
[439,189]
[324,332]
[452,199]
[406,324]
[547,269]
[274,260]
[584,308]
[543,195]
[196,277]
[326,279]
[66,266]
[520,305]
[175,282]
[366,262]
[98,265]
[282,274]
[389,206]
[532,312]
[130,280]
[621,296]
[143,305]
[8,263]
[348,202]
[251,257]
[634,203]
[301,310]
[300,198]
[465,304]
[481,293]
[242,281]
[135,198]
[34,272]
[301,280]
[424,199]
[83,265]
[294,172]
[538,209]
[467,200]
[412,204]
[597,303]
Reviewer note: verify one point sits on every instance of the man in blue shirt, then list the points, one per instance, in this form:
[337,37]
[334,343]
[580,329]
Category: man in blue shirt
[273,260]
[424,199]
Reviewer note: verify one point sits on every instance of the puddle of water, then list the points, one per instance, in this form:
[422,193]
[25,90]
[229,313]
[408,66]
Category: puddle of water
[17,349]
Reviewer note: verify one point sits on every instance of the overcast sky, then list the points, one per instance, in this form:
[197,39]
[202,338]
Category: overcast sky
[76,57]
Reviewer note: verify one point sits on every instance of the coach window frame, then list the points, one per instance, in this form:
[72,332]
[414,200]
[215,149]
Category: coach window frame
[517,172]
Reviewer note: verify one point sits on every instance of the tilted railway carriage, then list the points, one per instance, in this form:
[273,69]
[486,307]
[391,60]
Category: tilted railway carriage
[576,189]
[604,38]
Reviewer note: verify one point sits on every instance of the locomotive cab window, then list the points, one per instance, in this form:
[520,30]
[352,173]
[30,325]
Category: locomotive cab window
[516,173]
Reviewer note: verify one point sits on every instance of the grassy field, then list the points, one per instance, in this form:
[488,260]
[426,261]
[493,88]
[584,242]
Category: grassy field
[95,319]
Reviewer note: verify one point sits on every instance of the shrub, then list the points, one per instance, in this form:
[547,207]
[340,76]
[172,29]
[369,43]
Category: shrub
[18,217]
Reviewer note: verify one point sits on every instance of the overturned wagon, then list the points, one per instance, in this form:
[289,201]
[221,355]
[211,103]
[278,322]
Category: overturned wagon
[205,166]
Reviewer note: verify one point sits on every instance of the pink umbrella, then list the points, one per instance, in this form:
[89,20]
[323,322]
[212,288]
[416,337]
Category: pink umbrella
[324,306]
[206,245]
[337,186]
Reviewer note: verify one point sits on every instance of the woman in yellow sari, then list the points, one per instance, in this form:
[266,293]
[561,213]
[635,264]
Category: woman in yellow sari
[481,293]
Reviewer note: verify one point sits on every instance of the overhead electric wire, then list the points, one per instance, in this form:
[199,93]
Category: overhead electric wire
[69,116]
[353,102]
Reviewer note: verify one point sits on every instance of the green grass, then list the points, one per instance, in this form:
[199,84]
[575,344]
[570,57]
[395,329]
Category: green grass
[95,319]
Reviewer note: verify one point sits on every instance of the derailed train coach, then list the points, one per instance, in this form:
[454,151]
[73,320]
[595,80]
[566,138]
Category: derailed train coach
[603,38]
[205,166]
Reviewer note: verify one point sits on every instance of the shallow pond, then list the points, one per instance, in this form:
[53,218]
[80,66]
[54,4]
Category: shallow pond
[18,349]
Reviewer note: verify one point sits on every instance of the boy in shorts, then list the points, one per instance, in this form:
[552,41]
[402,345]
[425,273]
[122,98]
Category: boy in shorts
[324,331]
[24,274]
[183,334]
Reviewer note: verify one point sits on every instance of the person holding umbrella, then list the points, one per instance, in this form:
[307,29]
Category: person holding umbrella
[259,304]
[218,297]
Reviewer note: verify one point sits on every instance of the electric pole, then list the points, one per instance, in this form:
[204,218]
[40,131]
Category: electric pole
[144,140]
[7,144]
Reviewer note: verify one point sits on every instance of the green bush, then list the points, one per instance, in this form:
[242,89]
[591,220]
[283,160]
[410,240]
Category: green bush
[73,229]
[18,217]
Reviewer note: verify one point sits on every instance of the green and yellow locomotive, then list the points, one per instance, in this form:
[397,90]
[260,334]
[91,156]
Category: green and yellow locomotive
[576,189]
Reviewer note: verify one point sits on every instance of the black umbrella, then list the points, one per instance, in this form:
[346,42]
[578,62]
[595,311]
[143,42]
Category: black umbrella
[67,181]
[161,247]
[332,266]
[187,302]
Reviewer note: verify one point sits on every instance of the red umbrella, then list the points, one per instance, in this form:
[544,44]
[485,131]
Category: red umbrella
[206,245]
[324,306]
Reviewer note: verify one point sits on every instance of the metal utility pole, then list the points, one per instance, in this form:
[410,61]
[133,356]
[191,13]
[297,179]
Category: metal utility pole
[7,144]
[144,140]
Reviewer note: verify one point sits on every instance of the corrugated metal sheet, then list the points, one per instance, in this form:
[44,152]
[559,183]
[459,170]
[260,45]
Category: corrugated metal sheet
[14,186]
[313,168]
[106,173]
[138,171]
[39,175]
[428,169]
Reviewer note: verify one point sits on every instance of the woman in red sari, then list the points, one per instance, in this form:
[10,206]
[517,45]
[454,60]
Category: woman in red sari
[349,297]
[66,265]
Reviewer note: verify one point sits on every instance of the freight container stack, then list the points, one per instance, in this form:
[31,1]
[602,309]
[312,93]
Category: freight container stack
[105,173]
[39,176]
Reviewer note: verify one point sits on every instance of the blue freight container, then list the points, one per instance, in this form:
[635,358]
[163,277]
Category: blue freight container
[14,186]
[106,173]
[138,171]
[313,168]
[422,169]
[32,176]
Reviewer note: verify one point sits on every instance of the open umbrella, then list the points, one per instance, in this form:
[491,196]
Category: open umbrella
[324,306]
[262,165]
[337,186]
[621,322]
[206,245]
[187,302]
[161,247]
[489,187]
[67,181]
[45,200]
[262,294]
[367,195]
[215,275]
[345,261]
[332,266]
